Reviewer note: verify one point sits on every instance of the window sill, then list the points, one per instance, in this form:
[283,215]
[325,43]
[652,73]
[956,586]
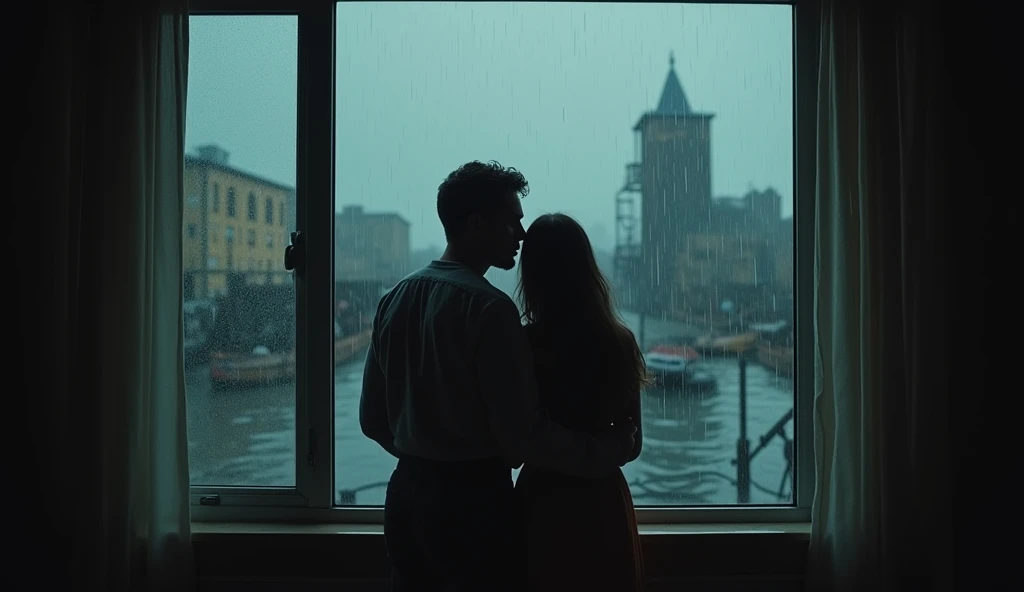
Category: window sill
[765,554]
[213,531]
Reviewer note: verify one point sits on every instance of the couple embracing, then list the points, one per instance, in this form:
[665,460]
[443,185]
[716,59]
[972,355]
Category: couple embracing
[461,385]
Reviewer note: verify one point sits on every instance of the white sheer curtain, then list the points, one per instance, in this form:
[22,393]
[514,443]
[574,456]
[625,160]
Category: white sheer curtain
[881,511]
[103,128]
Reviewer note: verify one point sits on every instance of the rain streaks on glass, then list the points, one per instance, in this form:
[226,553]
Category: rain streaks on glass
[665,130]
[239,210]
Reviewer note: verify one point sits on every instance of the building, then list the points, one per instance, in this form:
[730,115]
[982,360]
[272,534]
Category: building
[673,183]
[675,173]
[234,223]
[747,244]
[370,247]
[677,245]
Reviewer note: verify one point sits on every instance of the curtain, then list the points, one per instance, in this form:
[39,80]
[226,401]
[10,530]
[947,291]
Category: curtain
[881,509]
[99,179]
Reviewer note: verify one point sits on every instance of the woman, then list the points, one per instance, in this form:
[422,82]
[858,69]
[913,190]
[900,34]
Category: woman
[581,533]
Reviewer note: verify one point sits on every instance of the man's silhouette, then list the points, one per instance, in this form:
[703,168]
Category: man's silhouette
[449,390]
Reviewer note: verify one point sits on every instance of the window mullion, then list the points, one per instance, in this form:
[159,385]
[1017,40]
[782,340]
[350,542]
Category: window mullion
[315,186]
[805,68]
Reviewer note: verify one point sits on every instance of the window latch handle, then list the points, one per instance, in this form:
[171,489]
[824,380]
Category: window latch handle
[295,255]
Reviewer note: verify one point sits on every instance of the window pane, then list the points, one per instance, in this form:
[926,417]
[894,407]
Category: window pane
[240,317]
[665,130]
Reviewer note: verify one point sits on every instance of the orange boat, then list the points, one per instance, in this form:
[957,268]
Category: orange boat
[777,358]
[254,338]
[712,345]
[775,347]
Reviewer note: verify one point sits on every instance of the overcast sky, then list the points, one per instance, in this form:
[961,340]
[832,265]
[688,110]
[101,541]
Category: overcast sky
[553,89]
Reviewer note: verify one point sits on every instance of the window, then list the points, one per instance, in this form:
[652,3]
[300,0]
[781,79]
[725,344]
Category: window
[242,396]
[192,231]
[668,131]
[215,204]
[711,131]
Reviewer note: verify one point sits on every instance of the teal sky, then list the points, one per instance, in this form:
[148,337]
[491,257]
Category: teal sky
[553,89]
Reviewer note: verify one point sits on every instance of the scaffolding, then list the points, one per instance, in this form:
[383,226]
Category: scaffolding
[627,237]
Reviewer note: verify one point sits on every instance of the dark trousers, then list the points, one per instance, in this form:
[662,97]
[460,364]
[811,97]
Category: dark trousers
[453,527]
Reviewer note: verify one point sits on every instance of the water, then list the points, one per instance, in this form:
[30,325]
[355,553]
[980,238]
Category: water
[689,439]
[246,437]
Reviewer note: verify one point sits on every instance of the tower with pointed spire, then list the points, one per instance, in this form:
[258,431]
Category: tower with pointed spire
[675,174]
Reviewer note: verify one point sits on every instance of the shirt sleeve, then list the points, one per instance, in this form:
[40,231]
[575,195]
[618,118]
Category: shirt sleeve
[373,402]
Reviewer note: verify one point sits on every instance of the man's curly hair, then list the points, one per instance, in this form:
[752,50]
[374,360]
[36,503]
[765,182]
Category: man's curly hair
[476,187]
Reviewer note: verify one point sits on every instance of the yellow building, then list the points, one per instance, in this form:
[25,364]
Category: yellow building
[234,222]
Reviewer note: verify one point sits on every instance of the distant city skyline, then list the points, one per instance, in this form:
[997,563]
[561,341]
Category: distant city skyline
[553,89]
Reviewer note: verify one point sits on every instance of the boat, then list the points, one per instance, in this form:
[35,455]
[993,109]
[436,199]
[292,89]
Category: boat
[253,338]
[715,344]
[677,367]
[774,348]
[777,358]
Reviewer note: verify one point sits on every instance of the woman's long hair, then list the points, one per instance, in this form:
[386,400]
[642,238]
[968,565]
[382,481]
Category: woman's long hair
[563,292]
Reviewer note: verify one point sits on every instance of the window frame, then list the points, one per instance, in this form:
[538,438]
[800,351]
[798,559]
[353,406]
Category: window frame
[311,500]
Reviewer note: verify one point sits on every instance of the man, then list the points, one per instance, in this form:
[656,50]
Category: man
[449,390]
